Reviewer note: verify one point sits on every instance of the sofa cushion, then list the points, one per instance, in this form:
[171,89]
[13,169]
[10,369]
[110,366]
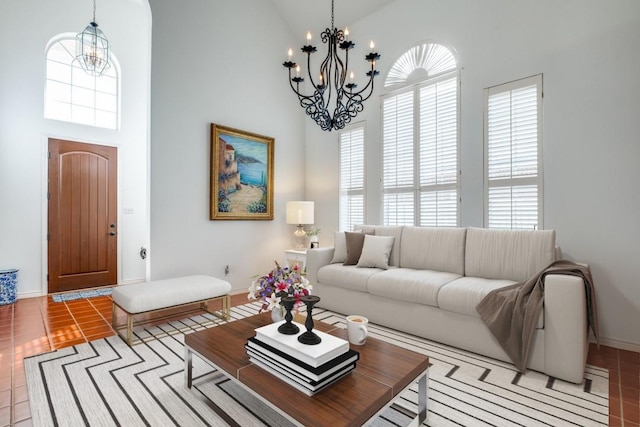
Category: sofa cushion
[339,247]
[386,230]
[376,251]
[354,247]
[463,295]
[406,284]
[428,248]
[508,254]
[348,276]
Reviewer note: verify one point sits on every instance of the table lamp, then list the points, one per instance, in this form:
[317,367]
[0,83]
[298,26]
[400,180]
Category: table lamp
[300,214]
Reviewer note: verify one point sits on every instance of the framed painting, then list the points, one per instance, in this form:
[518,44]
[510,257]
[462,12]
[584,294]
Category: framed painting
[241,175]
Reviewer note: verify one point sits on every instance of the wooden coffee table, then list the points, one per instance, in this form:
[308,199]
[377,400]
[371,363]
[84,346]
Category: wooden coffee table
[382,373]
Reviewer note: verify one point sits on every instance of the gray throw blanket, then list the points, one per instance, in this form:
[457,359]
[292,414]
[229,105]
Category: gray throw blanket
[512,312]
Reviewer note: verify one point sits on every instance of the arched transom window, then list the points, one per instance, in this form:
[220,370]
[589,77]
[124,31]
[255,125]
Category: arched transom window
[72,95]
[425,60]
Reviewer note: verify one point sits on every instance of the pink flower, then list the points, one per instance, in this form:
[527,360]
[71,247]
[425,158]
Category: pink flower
[282,286]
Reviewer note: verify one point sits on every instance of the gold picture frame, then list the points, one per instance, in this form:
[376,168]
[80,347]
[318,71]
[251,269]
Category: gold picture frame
[241,175]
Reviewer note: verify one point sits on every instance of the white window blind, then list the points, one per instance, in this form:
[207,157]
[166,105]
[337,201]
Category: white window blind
[398,159]
[513,147]
[420,154]
[72,95]
[439,154]
[351,177]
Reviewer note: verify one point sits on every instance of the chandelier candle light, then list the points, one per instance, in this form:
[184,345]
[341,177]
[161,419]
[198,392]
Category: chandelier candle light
[92,48]
[331,89]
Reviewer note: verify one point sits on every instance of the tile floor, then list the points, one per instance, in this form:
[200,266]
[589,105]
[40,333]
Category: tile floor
[36,325]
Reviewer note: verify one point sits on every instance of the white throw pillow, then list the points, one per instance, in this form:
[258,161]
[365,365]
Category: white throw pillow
[376,251]
[339,247]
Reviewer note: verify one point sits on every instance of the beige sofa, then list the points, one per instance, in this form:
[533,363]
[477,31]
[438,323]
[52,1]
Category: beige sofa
[435,278]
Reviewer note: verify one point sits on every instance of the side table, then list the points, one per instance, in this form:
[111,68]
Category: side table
[293,256]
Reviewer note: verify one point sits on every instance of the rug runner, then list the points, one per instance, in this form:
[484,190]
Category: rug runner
[106,383]
[89,293]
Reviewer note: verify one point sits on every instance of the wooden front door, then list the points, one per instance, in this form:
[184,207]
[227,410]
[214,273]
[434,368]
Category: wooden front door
[82,235]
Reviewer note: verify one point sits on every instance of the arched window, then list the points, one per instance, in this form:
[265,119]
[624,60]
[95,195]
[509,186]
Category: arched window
[420,139]
[423,61]
[72,95]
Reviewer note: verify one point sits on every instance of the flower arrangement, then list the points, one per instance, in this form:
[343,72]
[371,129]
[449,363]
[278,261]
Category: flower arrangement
[279,283]
[312,231]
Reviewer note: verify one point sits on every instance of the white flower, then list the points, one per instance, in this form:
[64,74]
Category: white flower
[305,284]
[273,301]
[252,290]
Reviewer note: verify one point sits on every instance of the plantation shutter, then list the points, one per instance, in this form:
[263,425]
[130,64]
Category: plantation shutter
[439,154]
[420,154]
[513,145]
[398,159]
[351,177]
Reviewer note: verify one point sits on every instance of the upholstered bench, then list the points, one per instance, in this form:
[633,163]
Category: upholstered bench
[150,297]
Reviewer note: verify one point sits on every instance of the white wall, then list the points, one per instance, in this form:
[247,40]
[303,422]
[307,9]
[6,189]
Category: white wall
[26,26]
[588,54]
[218,62]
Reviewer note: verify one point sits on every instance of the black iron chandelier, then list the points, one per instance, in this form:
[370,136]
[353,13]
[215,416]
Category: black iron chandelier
[331,91]
[92,48]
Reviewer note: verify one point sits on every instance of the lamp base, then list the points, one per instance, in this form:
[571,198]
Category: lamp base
[300,238]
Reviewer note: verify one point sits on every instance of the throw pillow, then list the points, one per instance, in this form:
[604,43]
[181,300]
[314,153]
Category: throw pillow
[339,247]
[354,247]
[376,251]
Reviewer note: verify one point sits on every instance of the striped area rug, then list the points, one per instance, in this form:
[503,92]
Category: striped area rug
[106,383]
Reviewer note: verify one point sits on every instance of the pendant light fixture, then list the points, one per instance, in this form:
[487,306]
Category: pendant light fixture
[331,90]
[92,48]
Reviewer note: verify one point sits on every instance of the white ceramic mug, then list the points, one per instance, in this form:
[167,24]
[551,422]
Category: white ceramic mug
[357,329]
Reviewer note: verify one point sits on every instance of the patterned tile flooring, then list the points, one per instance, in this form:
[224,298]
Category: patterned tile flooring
[36,325]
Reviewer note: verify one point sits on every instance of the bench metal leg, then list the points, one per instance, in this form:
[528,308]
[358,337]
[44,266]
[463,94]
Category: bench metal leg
[129,329]
[226,307]
[114,316]
[225,312]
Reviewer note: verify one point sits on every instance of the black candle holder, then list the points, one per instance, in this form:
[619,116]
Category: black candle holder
[288,328]
[309,337]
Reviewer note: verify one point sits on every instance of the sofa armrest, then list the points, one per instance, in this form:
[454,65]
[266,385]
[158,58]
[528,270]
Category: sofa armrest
[317,258]
[565,327]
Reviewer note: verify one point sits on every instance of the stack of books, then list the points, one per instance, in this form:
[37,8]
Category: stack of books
[308,368]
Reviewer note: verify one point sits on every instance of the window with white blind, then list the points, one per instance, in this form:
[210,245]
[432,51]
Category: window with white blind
[513,155]
[351,177]
[72,95]
[421,144]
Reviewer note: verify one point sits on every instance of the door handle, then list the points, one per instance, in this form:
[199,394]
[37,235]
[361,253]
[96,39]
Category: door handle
[113,233]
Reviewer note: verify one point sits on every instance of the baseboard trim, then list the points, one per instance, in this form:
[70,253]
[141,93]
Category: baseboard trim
[32,294]
[132,281]
[622,345]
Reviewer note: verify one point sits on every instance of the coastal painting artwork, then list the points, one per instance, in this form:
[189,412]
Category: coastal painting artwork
[241,175]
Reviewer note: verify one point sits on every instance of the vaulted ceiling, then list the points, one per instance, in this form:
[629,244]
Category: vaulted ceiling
[315,15]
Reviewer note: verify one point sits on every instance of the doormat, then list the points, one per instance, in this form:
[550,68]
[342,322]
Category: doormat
[70,296]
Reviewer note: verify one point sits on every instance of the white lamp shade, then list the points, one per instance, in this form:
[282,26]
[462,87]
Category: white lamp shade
[299,212]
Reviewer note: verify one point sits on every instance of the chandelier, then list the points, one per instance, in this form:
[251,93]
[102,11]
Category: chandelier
[92,48]
[331,91]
